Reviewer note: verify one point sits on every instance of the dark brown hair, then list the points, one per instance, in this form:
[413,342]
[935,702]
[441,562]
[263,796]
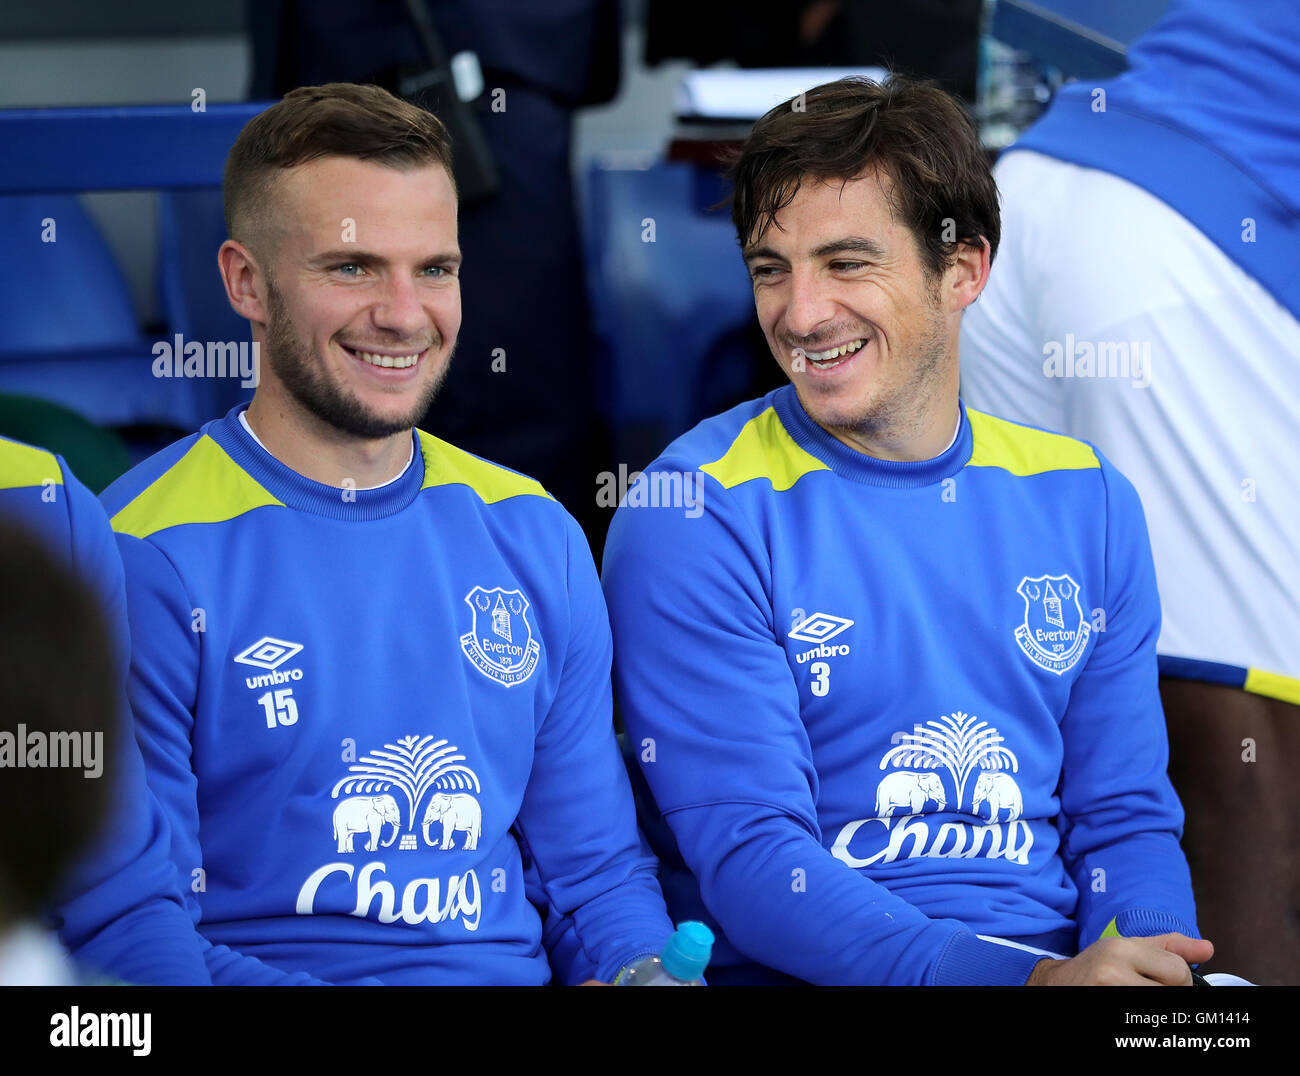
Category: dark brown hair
[338,119]
[914,132]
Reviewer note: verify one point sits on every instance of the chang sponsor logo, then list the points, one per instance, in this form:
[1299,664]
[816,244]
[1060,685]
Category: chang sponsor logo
[959,746]
[379,802]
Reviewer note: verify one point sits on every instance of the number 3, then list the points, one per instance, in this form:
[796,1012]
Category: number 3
[821,684]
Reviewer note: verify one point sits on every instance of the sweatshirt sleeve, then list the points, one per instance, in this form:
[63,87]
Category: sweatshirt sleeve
[162,688]
[1120,818]
[712,708]
[121,910]
[577,822]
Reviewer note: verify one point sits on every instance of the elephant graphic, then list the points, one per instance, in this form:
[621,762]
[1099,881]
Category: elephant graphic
[456,810]
[1000,792]
[907,789]
[365,814]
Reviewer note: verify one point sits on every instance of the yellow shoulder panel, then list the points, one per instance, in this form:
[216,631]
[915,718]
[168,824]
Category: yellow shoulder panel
[23,465]
[1022,450]
[445,465]
[204,486]
[764,449]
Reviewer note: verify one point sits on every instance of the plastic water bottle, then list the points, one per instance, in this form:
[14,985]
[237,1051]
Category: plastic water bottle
[680,964]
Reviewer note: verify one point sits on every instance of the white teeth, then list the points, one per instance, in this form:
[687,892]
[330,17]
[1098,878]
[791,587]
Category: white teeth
[823,358]
[400,362]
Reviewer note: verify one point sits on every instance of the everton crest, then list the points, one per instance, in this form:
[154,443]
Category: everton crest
[500,643]
[1055,632]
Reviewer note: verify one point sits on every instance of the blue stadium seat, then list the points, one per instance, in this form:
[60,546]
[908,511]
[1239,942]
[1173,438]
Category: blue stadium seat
[191,227]
[72,337]
[63,289]
[70,333]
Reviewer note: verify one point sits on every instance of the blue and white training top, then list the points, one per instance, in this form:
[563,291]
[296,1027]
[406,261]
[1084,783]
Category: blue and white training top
[358,705]
[1206,118]
[120,911]
[886,707]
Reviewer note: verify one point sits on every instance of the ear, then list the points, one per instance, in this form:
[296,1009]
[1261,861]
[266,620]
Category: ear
[244,279]
[967,275]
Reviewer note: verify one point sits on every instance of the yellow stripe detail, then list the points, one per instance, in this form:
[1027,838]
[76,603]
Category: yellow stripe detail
[445,464]
[1022,450]
[764,449]
[1111,931]
[204,486]
[1273,685]
[24,465]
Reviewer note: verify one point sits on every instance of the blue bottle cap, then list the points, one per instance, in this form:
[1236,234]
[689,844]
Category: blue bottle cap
[687,953]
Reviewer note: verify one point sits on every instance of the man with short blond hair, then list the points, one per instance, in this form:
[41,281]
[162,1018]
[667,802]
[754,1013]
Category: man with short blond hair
[371,670]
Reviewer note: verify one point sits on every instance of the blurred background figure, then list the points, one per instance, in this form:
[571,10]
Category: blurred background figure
[931,38]
[1146,299]
[50,625]
[88,843]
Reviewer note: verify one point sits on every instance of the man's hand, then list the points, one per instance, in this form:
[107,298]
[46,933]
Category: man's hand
[1159,961]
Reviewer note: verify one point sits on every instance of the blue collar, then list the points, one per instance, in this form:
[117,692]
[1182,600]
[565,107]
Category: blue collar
[858,466]
[296,491]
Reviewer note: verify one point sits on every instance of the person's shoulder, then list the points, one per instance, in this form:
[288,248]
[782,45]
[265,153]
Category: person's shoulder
[698,473]
[1025,450]
[26,469]
[490,483]
[193,480]
[523,517]
[36,490]
[1033,452]
[22,464]
[748,437]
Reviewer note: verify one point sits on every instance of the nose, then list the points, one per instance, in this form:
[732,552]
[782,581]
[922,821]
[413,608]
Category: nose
[399,310]
[810,305]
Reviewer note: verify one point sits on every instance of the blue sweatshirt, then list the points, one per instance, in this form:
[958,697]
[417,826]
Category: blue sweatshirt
[363,709]
[1207,118]
[120,911]
[888,707]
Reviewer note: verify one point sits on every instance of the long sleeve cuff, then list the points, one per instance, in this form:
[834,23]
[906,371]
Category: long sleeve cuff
[1145,923]
[970,961]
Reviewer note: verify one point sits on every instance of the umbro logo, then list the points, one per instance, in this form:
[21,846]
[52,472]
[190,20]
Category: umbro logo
[819,627]
[268,653]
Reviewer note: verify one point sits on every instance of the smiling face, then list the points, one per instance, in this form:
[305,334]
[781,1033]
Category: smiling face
[868,340]
[360,320]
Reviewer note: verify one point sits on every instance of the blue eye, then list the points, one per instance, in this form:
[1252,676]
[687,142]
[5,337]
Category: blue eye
[347,265]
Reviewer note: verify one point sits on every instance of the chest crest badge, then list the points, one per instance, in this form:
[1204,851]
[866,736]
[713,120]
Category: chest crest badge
[1055,632]
[500,641]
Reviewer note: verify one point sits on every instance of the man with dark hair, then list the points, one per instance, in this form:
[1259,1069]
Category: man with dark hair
[98,863]
[371,670]
[897,696]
